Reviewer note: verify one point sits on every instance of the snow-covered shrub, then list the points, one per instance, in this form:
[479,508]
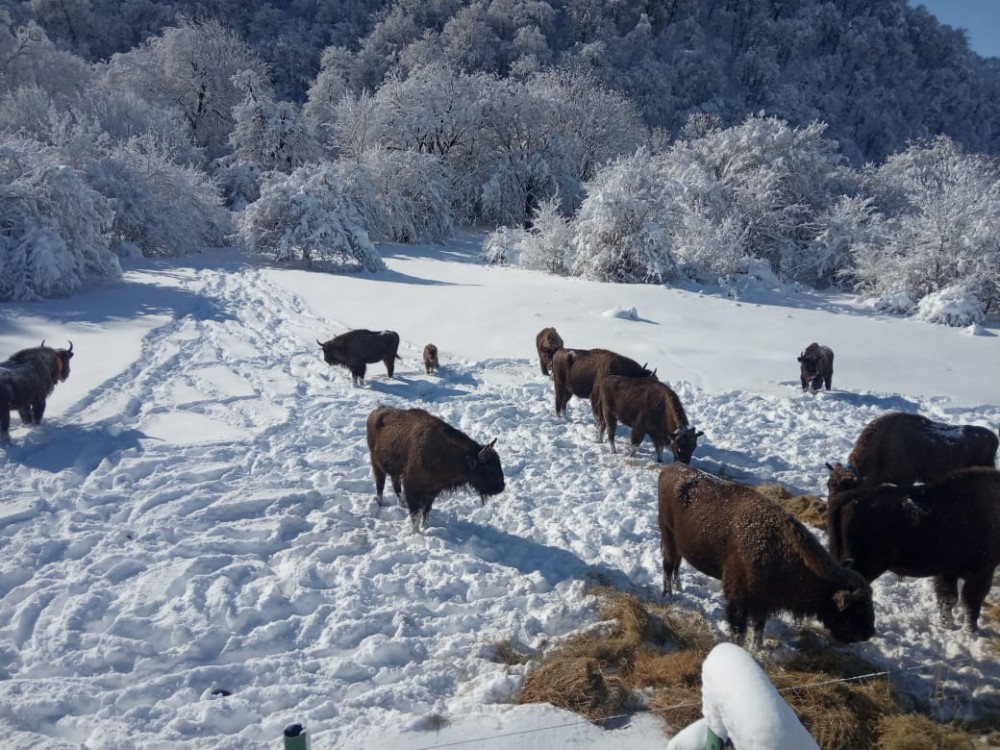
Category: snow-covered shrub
[895,302]
[307,216]
[161,206]
[502,246]
[953,306]
[545,246]
[53,226]
[402,196]
[619,233]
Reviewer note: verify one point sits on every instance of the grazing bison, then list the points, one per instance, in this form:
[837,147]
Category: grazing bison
[575,371]
[766,559]
[356,349]
[547,342]
[27,378]
[906,448]
[949,530]
[424,456]
[649,407]
[816,366]
[430,358]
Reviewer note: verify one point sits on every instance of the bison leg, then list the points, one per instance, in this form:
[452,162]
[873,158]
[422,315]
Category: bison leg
[379,483]
[736,616]
[827,380]
[390,364]
[637,435]
[4,424]
[974,591]
[946,588]
[611,426]
[358,373]
[671,563]
[562,398]
[419,505]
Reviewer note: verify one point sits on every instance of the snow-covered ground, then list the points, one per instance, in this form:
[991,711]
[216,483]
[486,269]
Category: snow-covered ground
[192,553]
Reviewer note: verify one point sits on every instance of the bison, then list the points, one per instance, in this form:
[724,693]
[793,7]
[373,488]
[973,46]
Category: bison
[27,378]
[547,342]
[575,371]
[424,456]
[949,529]
[649,407]
[430,358]
[816,367]
[766,559]
[356,349]
[904,448]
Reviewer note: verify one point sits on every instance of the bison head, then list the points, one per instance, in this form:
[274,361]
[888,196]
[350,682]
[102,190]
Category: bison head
[485,472]
[683,441]
[63,356]
[842,478]
[332,353]
[853,615]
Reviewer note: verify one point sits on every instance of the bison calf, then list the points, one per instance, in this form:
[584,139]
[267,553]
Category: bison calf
[766,559]
[27,379]
[904,448]
[816,367]
[356,349]
[547,343]
[947,530]
[430,358]
[649,407]
[424,456]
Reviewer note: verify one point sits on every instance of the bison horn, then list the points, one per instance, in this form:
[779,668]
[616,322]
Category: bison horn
[70,350]
[319,342]
[43,342]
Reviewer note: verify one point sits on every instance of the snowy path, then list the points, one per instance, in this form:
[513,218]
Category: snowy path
[204,521]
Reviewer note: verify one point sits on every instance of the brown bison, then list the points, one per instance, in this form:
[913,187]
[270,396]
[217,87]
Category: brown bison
[649,407]
[766,559]
[547,342]
[27,378]
[430,358]
[424,456]
[356,349]
[816,367]
[575,371]
[906,448]
[949,530]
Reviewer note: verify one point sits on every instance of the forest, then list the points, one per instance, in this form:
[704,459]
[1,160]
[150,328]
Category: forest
[827,143]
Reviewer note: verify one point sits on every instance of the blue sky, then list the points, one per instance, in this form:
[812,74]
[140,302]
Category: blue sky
[980,18]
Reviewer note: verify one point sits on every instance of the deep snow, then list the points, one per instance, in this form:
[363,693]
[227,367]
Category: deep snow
[197,512]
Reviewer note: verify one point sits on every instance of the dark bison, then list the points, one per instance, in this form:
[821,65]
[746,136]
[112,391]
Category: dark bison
[575,371]
[766,559]
[906,448]
[424,456]
[27,378]
[547,342]
[949,530]
[649,407]
[816,366]
[430,358]
[356,349]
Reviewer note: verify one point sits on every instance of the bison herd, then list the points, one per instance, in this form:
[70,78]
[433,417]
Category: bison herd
[917,497]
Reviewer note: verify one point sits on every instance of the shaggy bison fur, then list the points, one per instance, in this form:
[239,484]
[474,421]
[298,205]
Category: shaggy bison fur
[816,367]
[430,358]
[766,559]
[424,456]
[547,342]
[356,349]
[949,529]
[649,407]
[27,378]
[575,371]
[906,448]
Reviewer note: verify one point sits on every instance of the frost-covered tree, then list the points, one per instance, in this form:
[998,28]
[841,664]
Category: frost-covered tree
[193,66]
[402,196]
[307,216]
[621,230]
[29,59]
[942,228]
[53,225]
[272,135]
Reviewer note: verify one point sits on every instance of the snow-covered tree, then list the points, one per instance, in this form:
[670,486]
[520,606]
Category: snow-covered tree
[942,227]
[53,225]
[307,216]
[271,134]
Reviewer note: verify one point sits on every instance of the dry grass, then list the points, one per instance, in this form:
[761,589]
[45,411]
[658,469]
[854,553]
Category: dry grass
[659,651]
[809,509]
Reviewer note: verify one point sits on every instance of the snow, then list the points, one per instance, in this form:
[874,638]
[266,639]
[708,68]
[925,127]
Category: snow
[196,515]
[741,705]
